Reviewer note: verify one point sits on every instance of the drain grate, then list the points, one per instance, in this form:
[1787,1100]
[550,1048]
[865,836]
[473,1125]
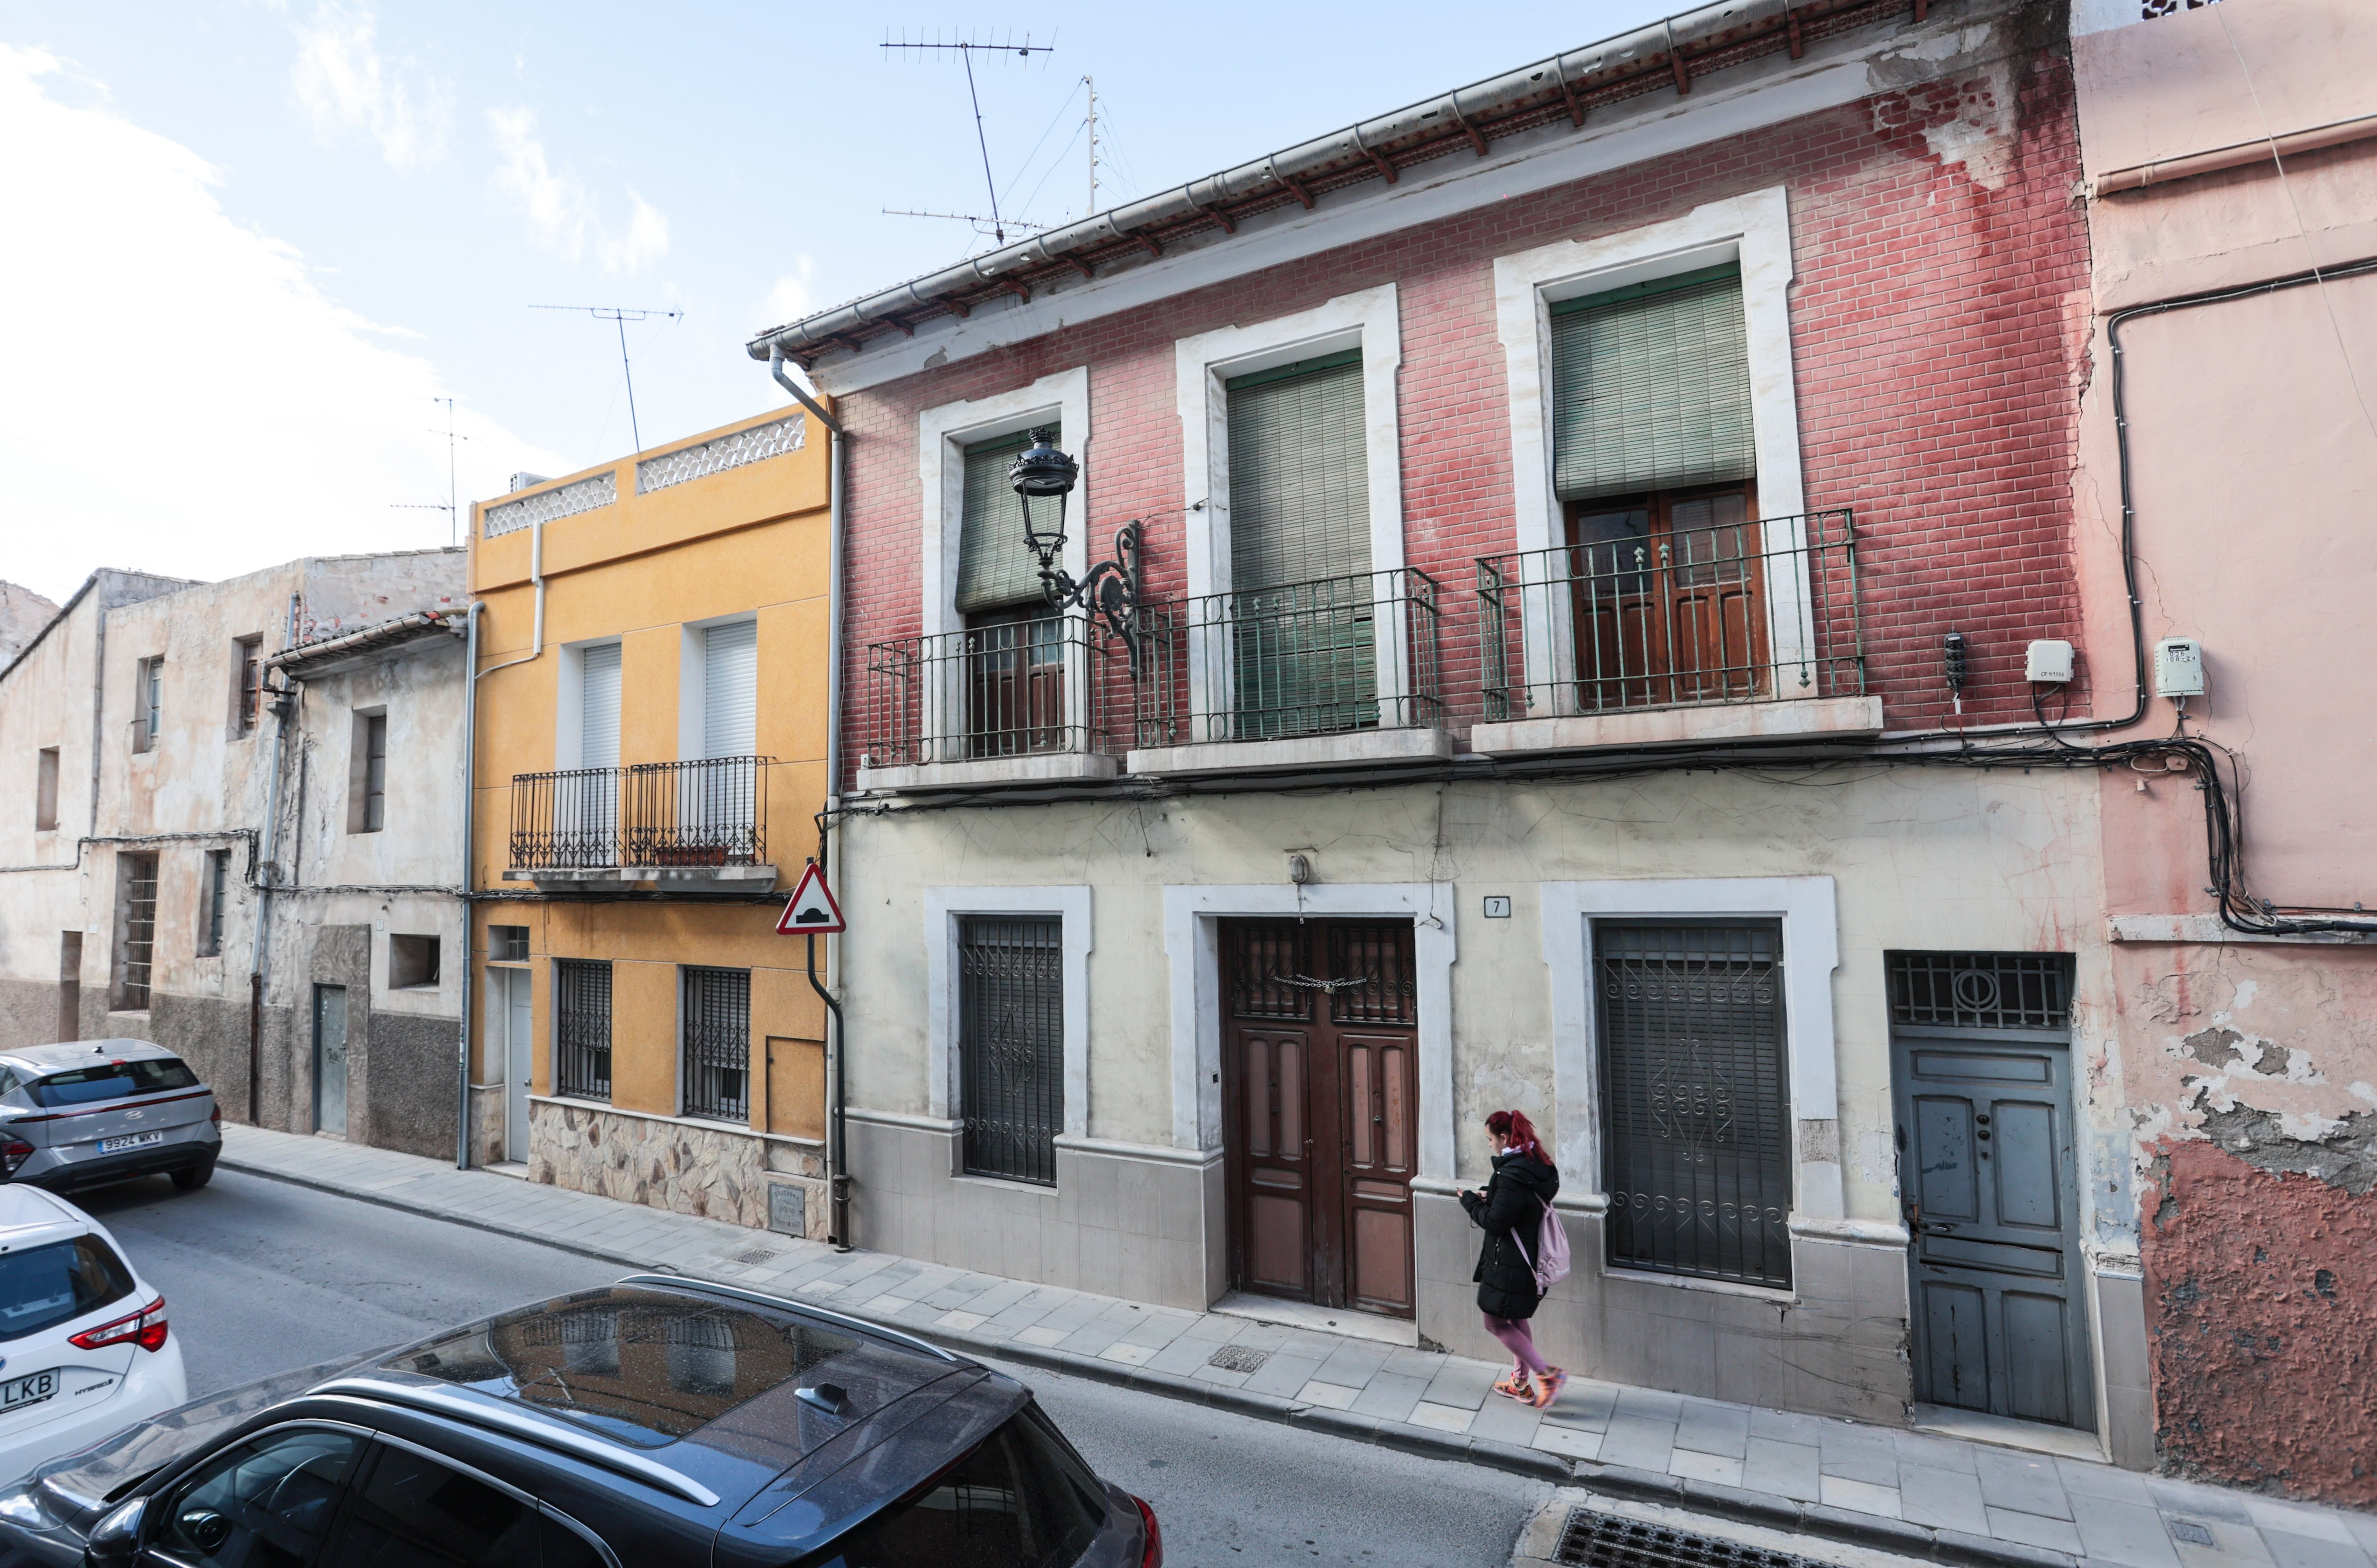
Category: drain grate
[2191,1532]
[756,1255]
[1608,1540]
[1238,1359]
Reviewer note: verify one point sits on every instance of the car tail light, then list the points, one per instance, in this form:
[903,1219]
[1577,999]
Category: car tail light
[215,1115]
[145,1328]
[1154,1556]
[14,1152]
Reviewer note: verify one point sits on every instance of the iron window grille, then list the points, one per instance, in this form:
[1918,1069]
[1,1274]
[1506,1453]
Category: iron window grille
[1981,990]
[1696,1098]
[581,1036]
[717,1043]
[140,930]
[1011,1045]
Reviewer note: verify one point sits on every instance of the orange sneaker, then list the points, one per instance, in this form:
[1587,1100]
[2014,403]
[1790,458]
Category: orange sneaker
[1515,1385]
[1549,1388]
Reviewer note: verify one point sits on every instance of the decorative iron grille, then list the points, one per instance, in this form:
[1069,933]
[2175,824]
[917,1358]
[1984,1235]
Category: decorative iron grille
[548,506]
[140,930]
[716,457]
[718,1044]
[1011,1045]
[1370,976]
[1268,952]
[1054,684]
[565,822]
[1981,990]
[1756,611]
[581,1029]
[1696,1101]
[709,812]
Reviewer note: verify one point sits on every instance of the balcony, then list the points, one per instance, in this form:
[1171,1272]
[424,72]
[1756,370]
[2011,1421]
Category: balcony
[692,825]
[1022,702]
[1751,630]
[1337,671]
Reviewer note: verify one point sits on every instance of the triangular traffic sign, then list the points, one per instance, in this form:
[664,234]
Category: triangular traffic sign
[812,911]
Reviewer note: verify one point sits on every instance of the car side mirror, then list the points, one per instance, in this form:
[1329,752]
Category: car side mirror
[114,1541]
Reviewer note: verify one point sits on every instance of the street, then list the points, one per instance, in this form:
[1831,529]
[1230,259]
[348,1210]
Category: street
[260,1275]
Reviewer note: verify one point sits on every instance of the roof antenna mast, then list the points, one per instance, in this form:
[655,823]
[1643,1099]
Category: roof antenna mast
[622,315]
[967,49]
[453,514]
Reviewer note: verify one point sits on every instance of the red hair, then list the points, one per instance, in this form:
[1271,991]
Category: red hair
[1514,1127]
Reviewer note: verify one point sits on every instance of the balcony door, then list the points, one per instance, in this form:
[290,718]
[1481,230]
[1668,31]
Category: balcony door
[596,787]
[1669,594]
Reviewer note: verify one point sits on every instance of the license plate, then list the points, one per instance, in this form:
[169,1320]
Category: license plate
[129,1140]
[19,1392]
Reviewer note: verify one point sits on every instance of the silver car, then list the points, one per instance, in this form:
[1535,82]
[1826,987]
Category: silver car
[96,1111]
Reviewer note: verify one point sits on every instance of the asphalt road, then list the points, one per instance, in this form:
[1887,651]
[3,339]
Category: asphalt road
[259,1277]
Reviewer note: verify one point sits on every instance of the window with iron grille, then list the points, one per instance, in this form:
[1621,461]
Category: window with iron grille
[1696,1105]
[1011,1045]
[717,1043]
[581,1029]
[1981,990]
[136,915]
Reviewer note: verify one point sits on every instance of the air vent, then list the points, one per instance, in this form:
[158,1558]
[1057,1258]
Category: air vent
[1609,1541]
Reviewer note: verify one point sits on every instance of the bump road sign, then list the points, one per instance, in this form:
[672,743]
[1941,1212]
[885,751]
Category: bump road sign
[812,912]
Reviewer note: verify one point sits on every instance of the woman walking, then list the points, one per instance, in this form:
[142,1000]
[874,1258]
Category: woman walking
[1511,1212]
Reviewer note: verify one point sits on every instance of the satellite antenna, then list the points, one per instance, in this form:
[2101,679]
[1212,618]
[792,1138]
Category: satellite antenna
[453,515]
[622,315]
[967,49]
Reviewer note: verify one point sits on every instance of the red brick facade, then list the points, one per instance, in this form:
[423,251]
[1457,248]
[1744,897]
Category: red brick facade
[1938,328]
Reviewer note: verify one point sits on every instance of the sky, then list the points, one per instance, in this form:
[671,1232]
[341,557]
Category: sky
[250,248]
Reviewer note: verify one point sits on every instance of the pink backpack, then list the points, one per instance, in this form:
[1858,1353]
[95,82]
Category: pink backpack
[1550,1259]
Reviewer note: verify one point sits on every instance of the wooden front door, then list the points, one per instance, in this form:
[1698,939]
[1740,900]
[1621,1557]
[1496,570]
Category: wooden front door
[1321,1087]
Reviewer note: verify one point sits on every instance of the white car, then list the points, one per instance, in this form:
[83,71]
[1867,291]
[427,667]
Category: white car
[84,1349]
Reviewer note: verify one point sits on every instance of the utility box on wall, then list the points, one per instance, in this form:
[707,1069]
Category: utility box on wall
[2179,667]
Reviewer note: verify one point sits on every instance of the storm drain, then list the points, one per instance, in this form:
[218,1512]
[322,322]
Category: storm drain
[756,1255]
[1238,1359]
[1609,1541]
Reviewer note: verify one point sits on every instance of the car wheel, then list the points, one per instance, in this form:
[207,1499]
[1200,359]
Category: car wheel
[194,1177]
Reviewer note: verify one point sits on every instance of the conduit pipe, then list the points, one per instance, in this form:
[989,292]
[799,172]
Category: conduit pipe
[2236,155]
[259,969]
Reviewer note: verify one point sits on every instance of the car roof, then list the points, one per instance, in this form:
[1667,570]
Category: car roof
[82,1053]
[29,1216]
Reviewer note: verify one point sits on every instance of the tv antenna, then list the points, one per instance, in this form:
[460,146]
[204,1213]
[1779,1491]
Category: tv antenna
[975,218]
[622,315]
[967,49]
[1094,145]
[453,514]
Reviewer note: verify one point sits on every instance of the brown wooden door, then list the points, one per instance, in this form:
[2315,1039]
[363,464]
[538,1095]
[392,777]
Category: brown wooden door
[1321,1087]
[1668,595]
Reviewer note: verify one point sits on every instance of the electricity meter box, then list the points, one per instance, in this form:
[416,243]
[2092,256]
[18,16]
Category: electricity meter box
[2179,667]
[2048,660]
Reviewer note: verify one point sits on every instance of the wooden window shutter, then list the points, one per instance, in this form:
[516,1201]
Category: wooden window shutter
[1651,386]
[995,568]
[1299,475]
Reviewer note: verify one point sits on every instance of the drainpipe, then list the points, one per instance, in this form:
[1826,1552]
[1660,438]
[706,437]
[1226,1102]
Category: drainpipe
[259,967]
[837,1143]
[472,673]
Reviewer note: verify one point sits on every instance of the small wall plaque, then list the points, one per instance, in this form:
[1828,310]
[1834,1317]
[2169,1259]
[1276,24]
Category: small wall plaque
[1497,907]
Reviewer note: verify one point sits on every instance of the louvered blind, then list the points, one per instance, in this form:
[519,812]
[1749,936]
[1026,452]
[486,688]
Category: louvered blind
[730,686]
[1299,482]
[1651,386]
[598,726]
[995,568]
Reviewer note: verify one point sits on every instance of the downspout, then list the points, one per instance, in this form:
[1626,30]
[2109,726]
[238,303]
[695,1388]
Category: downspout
[259,967]
[837,1139]
[472,677]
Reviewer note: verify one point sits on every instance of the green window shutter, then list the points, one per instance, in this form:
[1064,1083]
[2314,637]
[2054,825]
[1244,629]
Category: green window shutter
[1651,386]
[1299,475]
[996,569]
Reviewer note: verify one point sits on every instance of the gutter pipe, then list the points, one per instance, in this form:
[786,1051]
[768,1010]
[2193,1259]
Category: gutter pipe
[837,1140]
[259,969]
[473,674]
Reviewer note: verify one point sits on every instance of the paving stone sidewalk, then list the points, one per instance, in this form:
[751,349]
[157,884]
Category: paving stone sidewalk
[1910,1492]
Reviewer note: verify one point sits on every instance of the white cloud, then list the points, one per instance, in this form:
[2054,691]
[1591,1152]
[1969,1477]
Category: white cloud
[345,85]
[562,214]
[181,396]
[795,294]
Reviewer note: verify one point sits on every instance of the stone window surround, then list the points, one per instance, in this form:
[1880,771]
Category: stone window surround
[569,687]
[1809,910]
[692,695]
[943,906]
[944,431]
[1754,230]
[1192,943]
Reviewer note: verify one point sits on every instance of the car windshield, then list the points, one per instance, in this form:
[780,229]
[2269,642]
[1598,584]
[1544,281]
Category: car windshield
[111,1080]
[44,1286]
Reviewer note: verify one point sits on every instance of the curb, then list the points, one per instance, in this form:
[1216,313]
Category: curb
[1742,1506]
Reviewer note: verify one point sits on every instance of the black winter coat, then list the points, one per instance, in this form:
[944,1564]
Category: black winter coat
[1522,1188]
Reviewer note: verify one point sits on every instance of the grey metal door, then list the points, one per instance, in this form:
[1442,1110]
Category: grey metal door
[330,1059]
[1988,1178]
[518,1020]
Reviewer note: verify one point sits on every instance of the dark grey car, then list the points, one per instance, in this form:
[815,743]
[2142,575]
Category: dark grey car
[655,1422]
[96,1111]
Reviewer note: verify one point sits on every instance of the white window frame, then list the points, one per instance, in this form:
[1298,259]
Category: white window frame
[569,709]
[692,693]
[1808,909]
[1369,320]
[1753,230]
[943,909]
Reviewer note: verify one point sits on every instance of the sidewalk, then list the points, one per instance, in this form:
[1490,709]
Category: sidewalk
[1912,1493]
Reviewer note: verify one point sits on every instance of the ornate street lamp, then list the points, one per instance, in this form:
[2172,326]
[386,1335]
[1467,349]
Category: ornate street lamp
[1110,591]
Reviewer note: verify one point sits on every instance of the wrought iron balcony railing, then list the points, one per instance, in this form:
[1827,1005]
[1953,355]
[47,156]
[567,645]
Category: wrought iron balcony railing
[712,811]
[1752,610]
[1300,659]
[1056,685]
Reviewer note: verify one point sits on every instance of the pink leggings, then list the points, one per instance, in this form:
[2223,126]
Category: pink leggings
[1519,1340]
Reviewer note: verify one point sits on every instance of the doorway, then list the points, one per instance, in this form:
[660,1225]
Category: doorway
[514,1005]
[1320,1088]
[1981,1076]
[330,1059]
